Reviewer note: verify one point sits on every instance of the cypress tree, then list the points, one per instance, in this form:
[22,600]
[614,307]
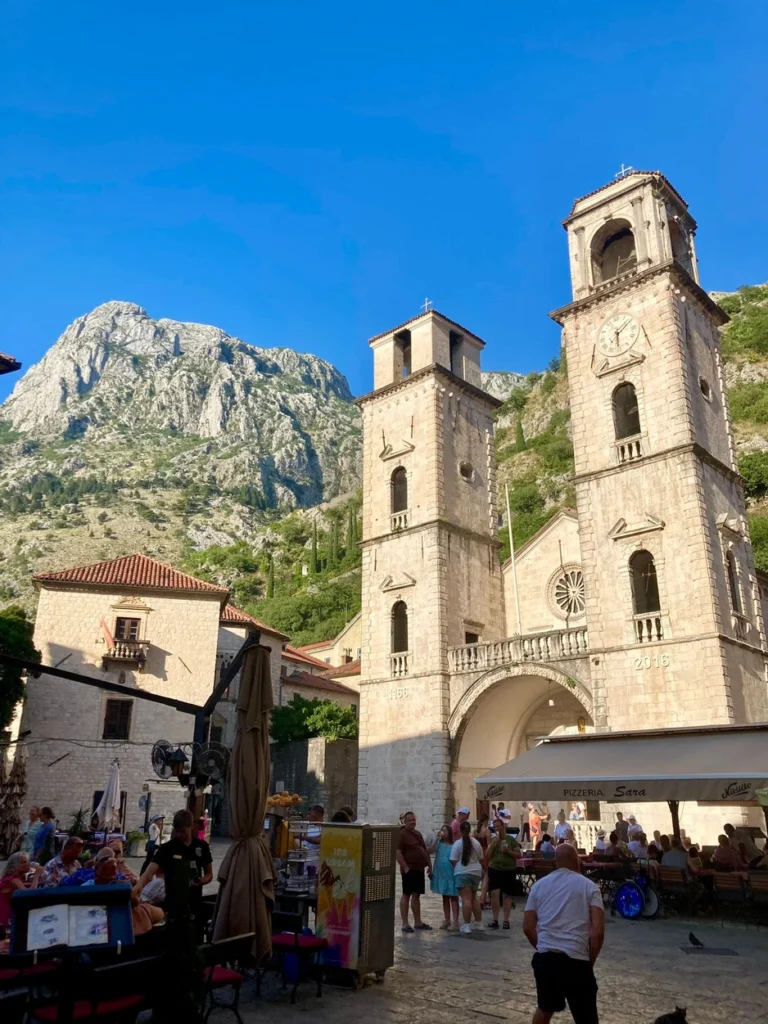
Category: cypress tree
[271,577]
[520,444]
[314,566]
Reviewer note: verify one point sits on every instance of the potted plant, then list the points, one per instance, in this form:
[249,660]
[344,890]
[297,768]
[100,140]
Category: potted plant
[135,844]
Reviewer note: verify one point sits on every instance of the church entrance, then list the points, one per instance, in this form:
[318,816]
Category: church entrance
[506,719]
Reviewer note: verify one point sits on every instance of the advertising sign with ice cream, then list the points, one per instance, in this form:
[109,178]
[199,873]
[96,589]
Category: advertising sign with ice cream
[338,894]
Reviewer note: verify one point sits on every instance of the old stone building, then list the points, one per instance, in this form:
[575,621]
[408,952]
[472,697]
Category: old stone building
[134,622]
[640,609]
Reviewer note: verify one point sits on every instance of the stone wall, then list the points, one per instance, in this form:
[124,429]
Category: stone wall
[322,771]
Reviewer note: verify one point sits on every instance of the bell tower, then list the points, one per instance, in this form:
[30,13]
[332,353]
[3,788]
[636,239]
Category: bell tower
[430,568]
[674,617]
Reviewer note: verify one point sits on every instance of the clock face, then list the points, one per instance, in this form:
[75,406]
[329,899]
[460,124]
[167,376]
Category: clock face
[618,334]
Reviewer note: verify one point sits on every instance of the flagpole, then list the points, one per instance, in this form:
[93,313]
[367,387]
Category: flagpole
[512,559]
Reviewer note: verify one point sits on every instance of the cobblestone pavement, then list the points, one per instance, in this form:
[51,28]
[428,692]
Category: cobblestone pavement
[440,977]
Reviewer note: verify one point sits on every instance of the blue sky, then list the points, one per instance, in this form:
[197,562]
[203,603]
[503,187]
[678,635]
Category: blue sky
[305,174]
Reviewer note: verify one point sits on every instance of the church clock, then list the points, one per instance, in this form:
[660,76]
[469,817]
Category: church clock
[618,334]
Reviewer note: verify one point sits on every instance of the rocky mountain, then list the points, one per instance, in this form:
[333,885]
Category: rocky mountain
[122,393]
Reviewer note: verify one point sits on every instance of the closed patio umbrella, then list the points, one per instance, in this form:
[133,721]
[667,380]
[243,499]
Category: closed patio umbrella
[247,874]
[14,791]
[108,811]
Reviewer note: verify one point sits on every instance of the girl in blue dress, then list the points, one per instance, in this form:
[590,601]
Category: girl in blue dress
[443,881]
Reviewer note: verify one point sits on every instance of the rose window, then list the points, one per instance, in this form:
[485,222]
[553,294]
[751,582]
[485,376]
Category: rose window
[569,592]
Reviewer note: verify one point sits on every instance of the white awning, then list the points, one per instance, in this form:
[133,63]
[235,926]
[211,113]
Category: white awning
[725,763]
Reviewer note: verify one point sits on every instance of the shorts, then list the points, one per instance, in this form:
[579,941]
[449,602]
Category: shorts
[504,880]
[561,979]
[468,880]
[413,882]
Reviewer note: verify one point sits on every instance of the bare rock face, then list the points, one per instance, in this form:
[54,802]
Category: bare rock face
[501,383]
[136,397]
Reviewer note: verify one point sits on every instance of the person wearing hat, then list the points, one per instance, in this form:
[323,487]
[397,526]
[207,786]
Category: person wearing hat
[600,843]
[461,815]
[634,826]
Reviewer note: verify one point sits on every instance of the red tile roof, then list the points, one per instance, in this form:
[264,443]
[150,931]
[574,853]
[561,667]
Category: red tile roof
[231,616]
[316,683]
[413,319]
[296,655]
[351,668]
[314,647]
[134,572]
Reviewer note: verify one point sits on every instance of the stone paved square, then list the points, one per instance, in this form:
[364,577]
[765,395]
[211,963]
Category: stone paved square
[642,972]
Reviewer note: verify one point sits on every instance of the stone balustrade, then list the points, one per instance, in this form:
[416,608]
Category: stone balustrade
[399,666]
[552,646]
[132,651]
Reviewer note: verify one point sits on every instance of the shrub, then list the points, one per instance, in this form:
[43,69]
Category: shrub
[758,529]
[302,719]
[749,402]
[753,466]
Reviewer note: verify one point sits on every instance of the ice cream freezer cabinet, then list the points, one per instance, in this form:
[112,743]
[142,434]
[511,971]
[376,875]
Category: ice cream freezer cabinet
[356,897]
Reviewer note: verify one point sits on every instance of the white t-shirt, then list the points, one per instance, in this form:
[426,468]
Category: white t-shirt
[638,849]
[634,828]
[600,844]
[562,901]
[562,828]
[475,866]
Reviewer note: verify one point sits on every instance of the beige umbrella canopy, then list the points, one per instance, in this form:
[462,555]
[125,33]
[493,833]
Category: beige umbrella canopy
[247,874]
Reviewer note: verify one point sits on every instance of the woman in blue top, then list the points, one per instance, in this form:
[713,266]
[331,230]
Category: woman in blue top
[443,879]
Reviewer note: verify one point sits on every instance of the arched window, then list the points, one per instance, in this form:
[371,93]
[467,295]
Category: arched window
[399,627]
[645,585]
[733,582]
[626,415]
[399,490]
[613,251]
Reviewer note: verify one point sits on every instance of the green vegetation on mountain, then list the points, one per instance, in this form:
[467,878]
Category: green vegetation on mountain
[305,578]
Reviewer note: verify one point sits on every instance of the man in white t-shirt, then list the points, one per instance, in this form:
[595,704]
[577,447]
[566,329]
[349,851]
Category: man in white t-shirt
[564,921]
[634,827]
[562,827]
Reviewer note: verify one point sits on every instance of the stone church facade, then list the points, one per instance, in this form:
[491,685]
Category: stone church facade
[642,609]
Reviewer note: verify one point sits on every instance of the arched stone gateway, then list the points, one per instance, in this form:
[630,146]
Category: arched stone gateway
[506,711]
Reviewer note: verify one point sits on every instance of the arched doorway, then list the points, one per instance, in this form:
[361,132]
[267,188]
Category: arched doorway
[506,712]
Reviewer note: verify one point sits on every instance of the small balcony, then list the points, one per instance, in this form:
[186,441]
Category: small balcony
[127,652]
[400,520]
[649,627]
[740,625]
[629,449]
[399,664]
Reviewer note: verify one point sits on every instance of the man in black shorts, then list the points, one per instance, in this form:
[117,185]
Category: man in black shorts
[565,922]
[414,861]
[503,853]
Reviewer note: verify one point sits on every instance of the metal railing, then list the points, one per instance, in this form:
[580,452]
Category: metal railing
[551,646]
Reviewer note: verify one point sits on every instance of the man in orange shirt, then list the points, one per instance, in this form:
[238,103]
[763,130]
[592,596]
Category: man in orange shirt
[534,824]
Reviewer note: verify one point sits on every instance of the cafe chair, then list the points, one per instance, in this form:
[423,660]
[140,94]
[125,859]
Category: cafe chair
[111,994]
[287,938]
[730,893]
[225,962]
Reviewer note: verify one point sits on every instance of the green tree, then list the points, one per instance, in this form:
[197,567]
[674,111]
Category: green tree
[314,565]
[520,444]
[16,641]
[271,578]
[302,719]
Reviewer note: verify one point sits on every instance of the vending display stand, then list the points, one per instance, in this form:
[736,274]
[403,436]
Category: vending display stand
[356,895]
